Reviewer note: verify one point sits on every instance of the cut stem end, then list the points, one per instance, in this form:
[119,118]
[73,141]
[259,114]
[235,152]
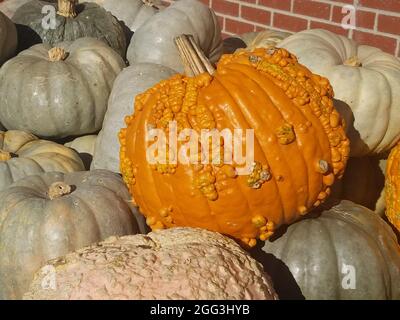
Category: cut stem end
[58,189]
[194,60]
[67,8]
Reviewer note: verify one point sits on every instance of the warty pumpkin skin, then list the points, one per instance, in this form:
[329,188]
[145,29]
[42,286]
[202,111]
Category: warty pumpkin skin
[300,147]
[43,217]
[153,41]
[130,82]
[73,21]
[8,38]
[58,92]
[22,154]
[392,187]
[177,264]
[365,81]
[348,252]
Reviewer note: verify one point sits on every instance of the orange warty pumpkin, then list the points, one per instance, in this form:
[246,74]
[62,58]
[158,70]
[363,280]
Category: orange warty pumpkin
[300,147]
[392,187]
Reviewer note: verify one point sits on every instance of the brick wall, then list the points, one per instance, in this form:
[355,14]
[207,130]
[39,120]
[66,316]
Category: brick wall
[377,22]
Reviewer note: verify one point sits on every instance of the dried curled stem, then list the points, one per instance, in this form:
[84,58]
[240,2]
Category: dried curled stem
[66,8]
[194,60]
[4,155]
[58,189]
[57,54]
[353,62]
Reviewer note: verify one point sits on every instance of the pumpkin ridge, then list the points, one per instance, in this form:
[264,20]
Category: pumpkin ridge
[237,181]
[285,119]
[147,207]
[282,190]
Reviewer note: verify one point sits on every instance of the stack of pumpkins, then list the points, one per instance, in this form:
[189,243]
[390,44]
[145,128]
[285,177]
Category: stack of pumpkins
[78,194]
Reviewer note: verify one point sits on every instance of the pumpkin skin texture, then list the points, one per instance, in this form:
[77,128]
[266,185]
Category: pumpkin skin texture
[263,39]
[299,149]
[393,187]
[179,263]
[317,251]
[132,12]
[36,227]
[8,38]
[91,20]
[363,183]
[153,41]
[83,144]
[8,7]
[365,93]
[85,147]
[129,83]
[56,99]
[22,154]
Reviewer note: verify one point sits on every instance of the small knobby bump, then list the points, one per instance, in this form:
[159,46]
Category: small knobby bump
[57,54]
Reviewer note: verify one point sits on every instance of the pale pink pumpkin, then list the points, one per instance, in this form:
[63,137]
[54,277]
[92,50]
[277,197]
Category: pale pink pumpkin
[178,263]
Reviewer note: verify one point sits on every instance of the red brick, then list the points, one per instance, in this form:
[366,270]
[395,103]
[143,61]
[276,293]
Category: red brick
[330,27]
[389,24]
[286,22]
[225,35]
[387,44]
[312,8]
[388,5]
[256,15]
[277,4]
[249,1]
[237,27]
[226,7]
[344,1]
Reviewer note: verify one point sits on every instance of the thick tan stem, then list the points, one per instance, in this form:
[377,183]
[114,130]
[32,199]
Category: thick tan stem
[57,54]
[66,8]
[4,155]
[194,60]
[353,62]
[58,189]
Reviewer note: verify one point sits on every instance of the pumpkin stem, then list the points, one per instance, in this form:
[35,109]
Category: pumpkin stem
[5,156]
[57,54]
[58,189]
[66,8]
[353,62]
[194,60]
[150,3]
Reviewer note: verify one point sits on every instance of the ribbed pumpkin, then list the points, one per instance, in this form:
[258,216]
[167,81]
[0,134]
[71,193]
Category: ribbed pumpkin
[346,252]
[153,41]
[365,81]
[61,91]
[299,149]
[22,154]
[73,21]
[392,187]
[131,81]
[175,264]
[46,216]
